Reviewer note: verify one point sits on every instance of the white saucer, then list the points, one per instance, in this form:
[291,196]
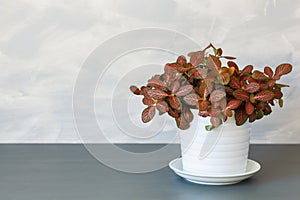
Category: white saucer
[252,168]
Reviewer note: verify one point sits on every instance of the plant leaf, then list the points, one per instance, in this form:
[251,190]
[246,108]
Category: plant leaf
[268,71]
[252,87]
[234,104]
[162,107]
[229,57]
[257,75]
[249,108]
[283,69]
[184,90]
[188,115]
[157,94]
[203,105]
[181,60]
[247,69]
[280,103]
[240,116]
[233,64]
[147,101]
[182,123]
[241,95]
[196,57]
[264,95]
[175,103]
[175,86]
[217,95]
[215,121]
[135,90]
[158,84]
[234,82]
[191,99]
[148,114]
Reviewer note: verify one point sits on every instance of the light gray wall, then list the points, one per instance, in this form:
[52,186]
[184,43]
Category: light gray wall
[43,44]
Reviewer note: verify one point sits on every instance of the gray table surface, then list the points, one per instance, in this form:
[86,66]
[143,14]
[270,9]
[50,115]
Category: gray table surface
[69,172]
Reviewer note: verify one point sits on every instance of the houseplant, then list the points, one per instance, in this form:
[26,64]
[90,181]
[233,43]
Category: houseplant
[225,97]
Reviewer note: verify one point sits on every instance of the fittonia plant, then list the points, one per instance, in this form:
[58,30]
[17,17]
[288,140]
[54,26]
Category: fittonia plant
[215,89]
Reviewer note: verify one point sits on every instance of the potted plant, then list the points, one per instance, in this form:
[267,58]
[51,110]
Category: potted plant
[225,97]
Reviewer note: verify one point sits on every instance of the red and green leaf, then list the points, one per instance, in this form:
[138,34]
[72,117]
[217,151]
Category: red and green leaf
[157,94]
[240,116]
[135,90]
[257,75]
[252,87]
[283,69]
[184,90]
[148,114]
[162,107]
[181,60]
[264,95]
[191,99]
[249,108]
[268,71]
[175,103]
[234,104]
[241,95]
[196,57]
[217,95]
[234,82]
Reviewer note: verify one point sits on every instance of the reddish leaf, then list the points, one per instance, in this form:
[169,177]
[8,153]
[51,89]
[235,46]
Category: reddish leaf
[219,52]
[157,94]
[247,69]
[175,103]
[157,84]
[225,78]
[135,90]
[264,95]
[215,121]
[217,95]
[228,112]
[188,115]
[234,82]
[277,93]
[215,112]
[173,113]
[252,117]
[249,108]
[252,87]
[216,61]
[268,71]
[267,110]
[241,95]
[175,86]
[228,90]
[233,64]
[240,116]
[234,104]
[271,83]
[162,107]
[204,113]
[196,57]
[184,90]
[258,75]
[191,99]
[212,65]
[229,57]
[205,89]
[147,101]
[203,105]
[199,73]
[283,69]
[148,114]
[182,123]
[264,86]
[181,60]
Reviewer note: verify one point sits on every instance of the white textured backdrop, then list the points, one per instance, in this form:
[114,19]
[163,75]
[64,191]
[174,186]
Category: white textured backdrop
[44,42]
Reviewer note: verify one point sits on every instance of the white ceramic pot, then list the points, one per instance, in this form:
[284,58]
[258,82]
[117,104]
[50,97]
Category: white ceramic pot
[221,151]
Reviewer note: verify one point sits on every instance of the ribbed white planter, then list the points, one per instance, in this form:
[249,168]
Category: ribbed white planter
[221,151]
